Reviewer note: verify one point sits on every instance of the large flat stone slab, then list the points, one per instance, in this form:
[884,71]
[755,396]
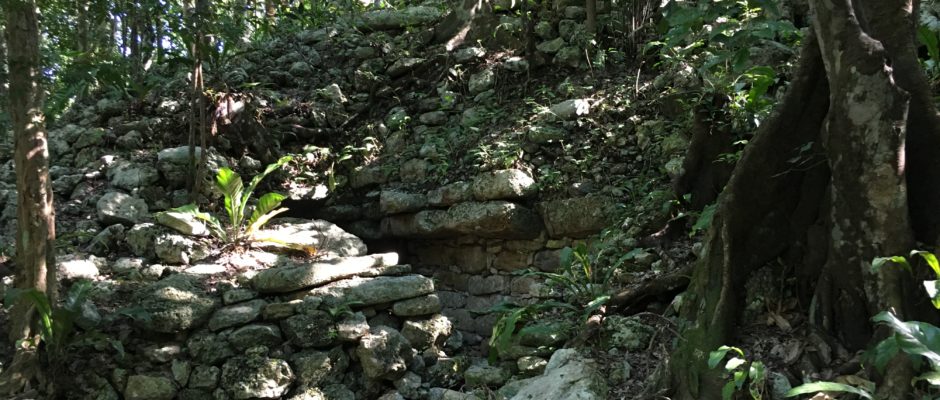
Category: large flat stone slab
[289,279]
[329,239]
[371,291]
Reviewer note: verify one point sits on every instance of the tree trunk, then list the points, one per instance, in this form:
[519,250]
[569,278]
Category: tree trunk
[35,250]
[590,22]
[848,104]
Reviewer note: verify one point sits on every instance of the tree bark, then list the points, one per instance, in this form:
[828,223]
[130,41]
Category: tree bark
[851,104]
[35,239]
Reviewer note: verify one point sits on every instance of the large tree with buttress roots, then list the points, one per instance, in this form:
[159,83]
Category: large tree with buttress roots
[861,101]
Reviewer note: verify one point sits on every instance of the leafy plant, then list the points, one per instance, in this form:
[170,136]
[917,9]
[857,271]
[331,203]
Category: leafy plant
[511,320]
[584,281]
[919,340]
[56,322]
[236,196]
[740,372]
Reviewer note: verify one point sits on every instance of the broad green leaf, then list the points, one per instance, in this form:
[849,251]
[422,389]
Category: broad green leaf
[704,218]
[739,378]
[914,338]
[883,352]
[230,184]
[932,378]
[263,220]
[266,204]
[257,178]
[734,363]
[716,356]
[757,371]
[816,387]
[879,262]
[931,260]
[727,391]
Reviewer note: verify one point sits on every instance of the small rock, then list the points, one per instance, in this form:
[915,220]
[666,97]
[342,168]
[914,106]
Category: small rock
[395,202]
[253,376]
[238,295]
[433,118]
[469,53]
[130,176]
[255,335]
[571,108]
[333,93]
[482,81]
[571,56]
[300,69]
[205,377]
[181,370]
[384,353]
[531,365]
[352,328]
[551,46]
[402,66]
[119,208]
[178,249]
[145,387]
[310,330]
[485,375]
[238,314]
[424,305]
[75,266]
[429,333]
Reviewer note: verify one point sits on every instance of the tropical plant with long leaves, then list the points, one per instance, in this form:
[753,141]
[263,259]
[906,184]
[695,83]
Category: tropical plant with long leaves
[242,225]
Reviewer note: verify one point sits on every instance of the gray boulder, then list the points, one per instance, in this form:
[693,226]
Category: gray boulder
[430,333]
[578,217]
[76,266]
[494,219]
[120,208]
[396,202]
[450,194]
[482,81]
[426,223]
[318,368]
